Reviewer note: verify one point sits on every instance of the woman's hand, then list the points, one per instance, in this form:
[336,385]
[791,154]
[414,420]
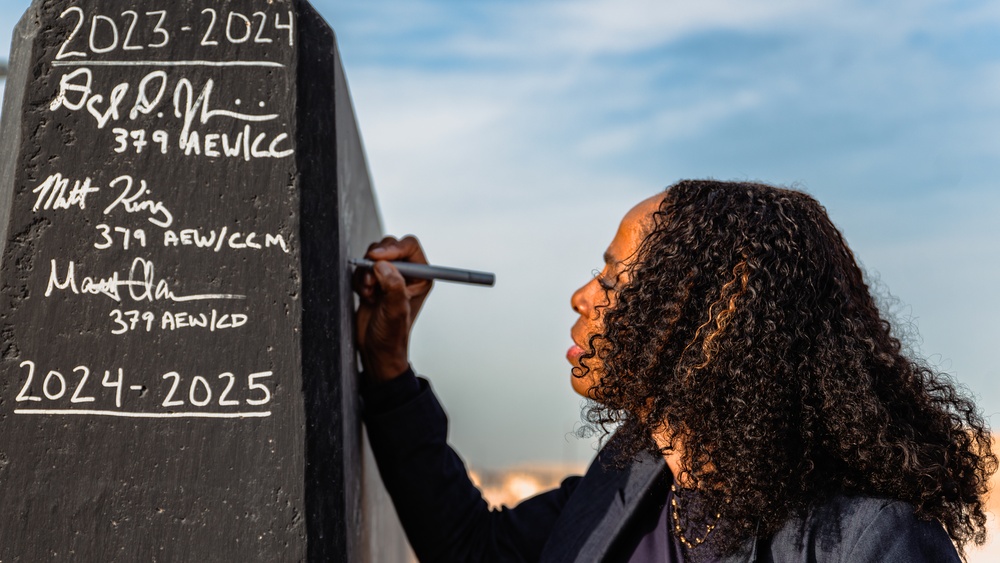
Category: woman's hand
[389,306]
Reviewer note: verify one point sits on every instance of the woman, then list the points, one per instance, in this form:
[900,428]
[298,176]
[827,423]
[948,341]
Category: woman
[760,406]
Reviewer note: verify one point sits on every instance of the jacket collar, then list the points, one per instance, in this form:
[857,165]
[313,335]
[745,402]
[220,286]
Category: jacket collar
[599,509]
[641,476]
[602,506]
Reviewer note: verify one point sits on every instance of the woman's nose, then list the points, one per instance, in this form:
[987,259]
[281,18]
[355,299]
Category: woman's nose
[579,301]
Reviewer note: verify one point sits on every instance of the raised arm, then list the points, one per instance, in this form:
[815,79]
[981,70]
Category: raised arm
[443,513]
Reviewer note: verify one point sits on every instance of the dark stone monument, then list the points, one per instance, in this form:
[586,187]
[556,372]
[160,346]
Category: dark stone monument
[181,185]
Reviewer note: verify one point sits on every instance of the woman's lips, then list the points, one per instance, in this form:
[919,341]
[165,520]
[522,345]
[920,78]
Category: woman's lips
[574,353]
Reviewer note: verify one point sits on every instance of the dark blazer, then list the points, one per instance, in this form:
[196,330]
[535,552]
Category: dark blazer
[586,518]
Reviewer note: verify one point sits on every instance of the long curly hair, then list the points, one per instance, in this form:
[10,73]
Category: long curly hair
[744,329]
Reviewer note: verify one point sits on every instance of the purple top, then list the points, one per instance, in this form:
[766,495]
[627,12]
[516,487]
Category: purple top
[659,543]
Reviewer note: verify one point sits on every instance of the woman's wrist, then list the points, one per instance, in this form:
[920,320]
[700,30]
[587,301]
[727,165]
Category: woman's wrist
[387,368]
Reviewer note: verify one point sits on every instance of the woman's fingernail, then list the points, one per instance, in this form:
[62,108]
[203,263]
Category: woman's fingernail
[384,268]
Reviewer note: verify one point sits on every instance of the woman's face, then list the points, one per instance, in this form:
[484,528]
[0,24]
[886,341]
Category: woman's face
[599,293]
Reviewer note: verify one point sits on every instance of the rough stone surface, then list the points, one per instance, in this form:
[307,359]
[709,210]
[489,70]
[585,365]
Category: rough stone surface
[180,188]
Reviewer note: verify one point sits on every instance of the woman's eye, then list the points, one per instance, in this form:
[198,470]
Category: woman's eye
[605,284]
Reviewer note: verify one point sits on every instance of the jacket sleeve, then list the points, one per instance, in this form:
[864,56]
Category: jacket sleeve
[896,535]
[443,513]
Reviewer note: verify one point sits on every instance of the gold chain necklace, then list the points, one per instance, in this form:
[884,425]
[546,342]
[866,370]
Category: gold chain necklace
[679,532]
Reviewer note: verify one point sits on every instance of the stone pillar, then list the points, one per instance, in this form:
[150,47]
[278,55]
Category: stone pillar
[181,185]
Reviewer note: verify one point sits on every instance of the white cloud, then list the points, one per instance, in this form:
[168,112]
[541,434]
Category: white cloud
[610,26]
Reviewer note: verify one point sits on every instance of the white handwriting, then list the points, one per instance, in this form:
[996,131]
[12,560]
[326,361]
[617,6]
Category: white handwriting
[213,321]
[141,283]
[192,106]
[221,238]
[52,193]
[246,144]
[76,91]
[132,203]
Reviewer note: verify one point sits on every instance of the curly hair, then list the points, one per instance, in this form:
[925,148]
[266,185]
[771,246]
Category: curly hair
[745,329]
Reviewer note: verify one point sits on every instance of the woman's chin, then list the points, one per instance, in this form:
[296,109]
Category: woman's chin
[583,386]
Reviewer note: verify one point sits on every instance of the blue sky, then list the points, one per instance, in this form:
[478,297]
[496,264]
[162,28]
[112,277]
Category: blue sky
[512,136]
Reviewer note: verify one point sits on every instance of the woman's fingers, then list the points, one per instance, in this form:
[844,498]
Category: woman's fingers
[407,249]
[363,282]
[389,304]
[395,300]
